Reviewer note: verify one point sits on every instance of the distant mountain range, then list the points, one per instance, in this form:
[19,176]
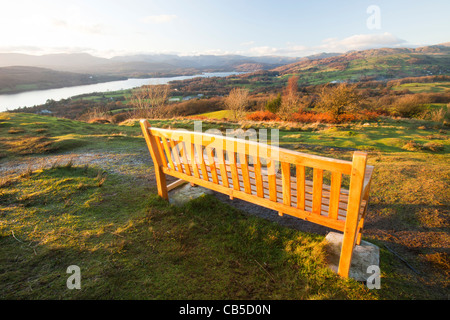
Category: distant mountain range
[143,65]
[148,64]
[22,72]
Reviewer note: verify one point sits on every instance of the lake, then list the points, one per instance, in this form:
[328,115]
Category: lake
[37,97]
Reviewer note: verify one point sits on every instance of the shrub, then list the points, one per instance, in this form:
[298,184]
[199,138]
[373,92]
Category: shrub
[99,120]
[120,117]
[412,146]
[274,104]
[408,106]
[290,101]
[237,102]
[262,116]
[439,115]
[433,146]
[338,100]
[312,117]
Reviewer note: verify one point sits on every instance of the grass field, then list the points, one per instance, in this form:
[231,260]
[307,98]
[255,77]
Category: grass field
[424,87]
[106,218]
[219,115]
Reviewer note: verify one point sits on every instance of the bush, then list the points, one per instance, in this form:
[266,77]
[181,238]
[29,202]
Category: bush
[262,116]
[339,100]
[119,117]
[274,104]
[433,146]
[412,146]
[408,106]
[311,117]
[99,120]
[439,115]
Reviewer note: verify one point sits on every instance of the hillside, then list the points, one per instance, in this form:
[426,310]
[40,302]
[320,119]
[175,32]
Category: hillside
[373,64]
[20,78]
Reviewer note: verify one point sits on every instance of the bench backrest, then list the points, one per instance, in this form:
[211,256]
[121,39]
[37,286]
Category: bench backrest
[284,180]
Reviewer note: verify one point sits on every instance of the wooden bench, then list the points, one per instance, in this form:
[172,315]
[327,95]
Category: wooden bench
[287,181]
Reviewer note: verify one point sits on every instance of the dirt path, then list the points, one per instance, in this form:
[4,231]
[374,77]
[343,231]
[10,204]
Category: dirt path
[138,166]
[120,163]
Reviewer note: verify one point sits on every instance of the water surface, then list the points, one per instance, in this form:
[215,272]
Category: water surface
[37,97]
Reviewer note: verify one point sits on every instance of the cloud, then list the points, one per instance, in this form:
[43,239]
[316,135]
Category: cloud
[361,42]
[80,26]
[162,18]
[36,50]
[355,42]
[292,50]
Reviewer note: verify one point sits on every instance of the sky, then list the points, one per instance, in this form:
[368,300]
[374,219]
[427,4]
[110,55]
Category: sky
[296,28]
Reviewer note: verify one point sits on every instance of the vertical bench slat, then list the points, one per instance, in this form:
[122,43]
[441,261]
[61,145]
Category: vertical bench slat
[286,182]
[212,165]
[201,158]
[245,174]
[222,167]
[167,150]
[300,175]
[317,190]
[176,156]
[272,180]
[336,180]
[161,151]
[258,177]
[234,172]
[183,150]
[194,162]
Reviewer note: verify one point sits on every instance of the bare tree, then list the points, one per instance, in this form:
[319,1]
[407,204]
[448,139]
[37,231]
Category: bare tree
[290,101]
[149,101]
[236,102]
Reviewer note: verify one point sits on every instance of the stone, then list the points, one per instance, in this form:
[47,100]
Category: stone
[364,255]
[185,193]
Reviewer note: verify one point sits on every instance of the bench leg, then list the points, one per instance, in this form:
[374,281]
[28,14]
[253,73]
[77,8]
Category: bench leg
[354,205]
[161,183]
[348,244]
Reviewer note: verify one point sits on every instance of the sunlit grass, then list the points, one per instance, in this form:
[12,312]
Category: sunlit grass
[141,247]
[131,244]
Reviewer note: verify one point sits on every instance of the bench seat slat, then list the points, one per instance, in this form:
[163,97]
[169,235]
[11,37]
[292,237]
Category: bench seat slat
[267,202]
[307,194]
[342,207]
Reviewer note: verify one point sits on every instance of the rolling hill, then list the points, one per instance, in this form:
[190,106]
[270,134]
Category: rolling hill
[21,78]
[373,64]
